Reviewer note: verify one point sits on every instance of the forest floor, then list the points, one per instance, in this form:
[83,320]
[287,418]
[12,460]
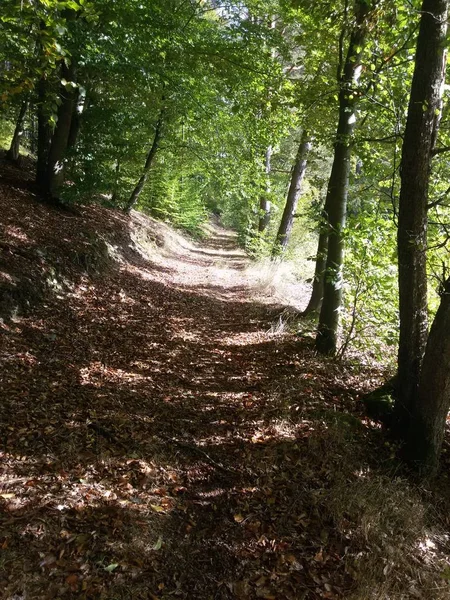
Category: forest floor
[162,436]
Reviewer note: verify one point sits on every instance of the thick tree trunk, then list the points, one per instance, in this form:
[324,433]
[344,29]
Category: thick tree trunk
[295,188]
[60,139]
[336,200]
[316,299]
[420,133]
[44,133]
[426,432]
[264,202]
[148,163]
[13,152]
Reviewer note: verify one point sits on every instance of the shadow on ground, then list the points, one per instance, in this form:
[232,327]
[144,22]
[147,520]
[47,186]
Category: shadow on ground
[157,441]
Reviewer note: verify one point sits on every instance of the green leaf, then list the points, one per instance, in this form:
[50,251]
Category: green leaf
[158,544]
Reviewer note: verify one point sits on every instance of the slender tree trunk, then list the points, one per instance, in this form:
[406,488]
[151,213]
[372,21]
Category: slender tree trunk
[316,299]
[75,123]
[60,139]
[336,200]
[264,202]
[13,152]
[116,180]
[44,133]
[426,432]
[33,133]
[420,133]
[295,188]
[148,163]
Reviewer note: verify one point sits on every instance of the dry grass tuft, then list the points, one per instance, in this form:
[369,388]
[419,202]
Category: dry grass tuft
[155,237]
[393,552]
[278,280]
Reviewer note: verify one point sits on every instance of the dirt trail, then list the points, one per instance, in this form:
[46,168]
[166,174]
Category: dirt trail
[157,436]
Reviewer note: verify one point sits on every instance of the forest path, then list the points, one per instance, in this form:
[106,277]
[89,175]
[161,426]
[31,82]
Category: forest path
[161,438]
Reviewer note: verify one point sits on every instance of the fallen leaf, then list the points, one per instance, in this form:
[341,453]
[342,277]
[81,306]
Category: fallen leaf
[158,544]
[72,581]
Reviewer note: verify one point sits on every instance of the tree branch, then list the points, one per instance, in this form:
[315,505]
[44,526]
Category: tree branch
[441,150]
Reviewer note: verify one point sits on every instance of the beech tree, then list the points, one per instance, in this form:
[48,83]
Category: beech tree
[149,160]
[295,188]
[315,301]
[335,209]
[429,415]
[424,114]
[264,201]
[59,141]
[14,148]
[423,386]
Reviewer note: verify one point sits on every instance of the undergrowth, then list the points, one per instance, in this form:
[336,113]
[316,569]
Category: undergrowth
[397,545]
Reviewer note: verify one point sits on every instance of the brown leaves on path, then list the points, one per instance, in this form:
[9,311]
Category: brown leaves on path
[157,441]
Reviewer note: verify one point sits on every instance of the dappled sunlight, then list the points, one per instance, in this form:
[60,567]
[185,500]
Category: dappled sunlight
[243,339]
[162,434]
[97,374]
[278,280]
[17,234]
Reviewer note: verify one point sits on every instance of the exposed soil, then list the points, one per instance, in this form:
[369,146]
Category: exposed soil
[161,437]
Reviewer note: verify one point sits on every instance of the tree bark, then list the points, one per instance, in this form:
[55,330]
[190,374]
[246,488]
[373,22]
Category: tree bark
[264,202]
[426,432]
[148,163]
[14,149]
[420,133]
[337,193]
[316,299]
[44,133]
[60,138]
[75,123]
[115,192]
[295,188]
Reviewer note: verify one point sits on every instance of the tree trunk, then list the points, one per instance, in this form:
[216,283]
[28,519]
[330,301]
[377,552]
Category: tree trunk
[420,133]
[60,139]
[426,432]
[336,200]
[13,152]
[75,122]
[148,163]
[315,302]
[295,188]
[44,133]
[33,133]
[264,202]
[116,180]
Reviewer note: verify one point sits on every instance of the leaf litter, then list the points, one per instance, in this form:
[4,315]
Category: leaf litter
[158,439]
